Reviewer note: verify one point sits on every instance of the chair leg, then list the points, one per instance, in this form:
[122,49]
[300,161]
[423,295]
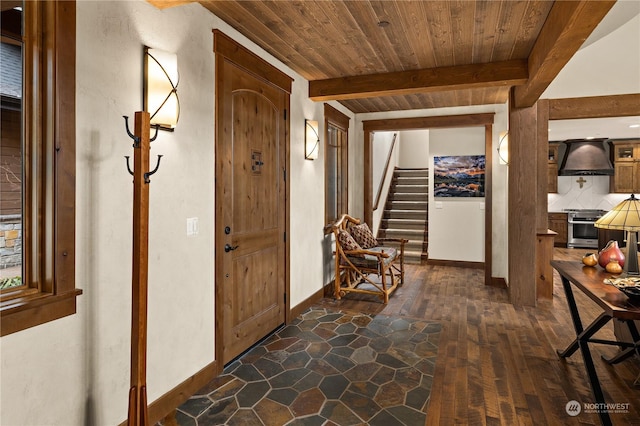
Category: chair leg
[337,284]
[385,293]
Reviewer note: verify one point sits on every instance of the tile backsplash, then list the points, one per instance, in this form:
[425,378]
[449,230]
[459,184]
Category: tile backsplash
[594,194]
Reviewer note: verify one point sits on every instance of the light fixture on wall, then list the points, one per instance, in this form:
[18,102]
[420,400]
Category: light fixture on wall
[311,140]
[160,94]
[503,149]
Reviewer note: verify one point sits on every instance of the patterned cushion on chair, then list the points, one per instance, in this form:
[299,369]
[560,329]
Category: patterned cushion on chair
[370,261]
[347,242]
[363,236]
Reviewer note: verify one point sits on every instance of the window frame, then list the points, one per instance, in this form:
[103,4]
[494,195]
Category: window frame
[49,167]
[336,119]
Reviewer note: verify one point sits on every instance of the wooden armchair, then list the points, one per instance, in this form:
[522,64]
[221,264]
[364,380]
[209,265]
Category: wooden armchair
[359,255]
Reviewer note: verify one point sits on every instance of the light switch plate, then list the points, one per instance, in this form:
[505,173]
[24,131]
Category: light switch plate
[438,204]
[192,226]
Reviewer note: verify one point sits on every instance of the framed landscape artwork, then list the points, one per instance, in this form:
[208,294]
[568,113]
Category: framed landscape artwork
[458,176]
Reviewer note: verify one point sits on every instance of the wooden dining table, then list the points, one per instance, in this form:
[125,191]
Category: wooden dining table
[615,305]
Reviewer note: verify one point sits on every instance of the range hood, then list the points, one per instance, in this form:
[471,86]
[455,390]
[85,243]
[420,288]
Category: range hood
[585,157]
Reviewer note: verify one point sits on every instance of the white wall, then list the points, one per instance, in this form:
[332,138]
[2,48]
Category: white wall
[76,370]
[414,149]
[456,225]
[594,194]
[380,151]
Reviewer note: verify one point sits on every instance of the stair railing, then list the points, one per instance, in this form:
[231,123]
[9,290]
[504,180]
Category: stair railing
[384,173]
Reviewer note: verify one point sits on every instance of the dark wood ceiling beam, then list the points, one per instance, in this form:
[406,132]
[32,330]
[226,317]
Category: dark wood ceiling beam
[595,107]
[411,123]
[505,73]
[567,27]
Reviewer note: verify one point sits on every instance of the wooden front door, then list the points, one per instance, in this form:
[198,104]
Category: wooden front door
[251,208]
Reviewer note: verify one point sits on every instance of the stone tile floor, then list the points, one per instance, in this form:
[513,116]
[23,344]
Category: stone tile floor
[326,368]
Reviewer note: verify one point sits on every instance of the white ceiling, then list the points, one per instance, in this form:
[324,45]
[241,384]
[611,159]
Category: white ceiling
[613,128]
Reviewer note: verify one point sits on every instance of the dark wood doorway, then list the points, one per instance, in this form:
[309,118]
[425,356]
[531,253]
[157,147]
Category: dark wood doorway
[251,194]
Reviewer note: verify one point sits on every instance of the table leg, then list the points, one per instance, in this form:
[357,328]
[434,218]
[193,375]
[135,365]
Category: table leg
[575,318]
[595,383]
[581,342]
[634,347]
[585,335]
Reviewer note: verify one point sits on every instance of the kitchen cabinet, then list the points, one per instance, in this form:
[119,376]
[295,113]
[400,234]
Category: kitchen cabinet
[558,223]
[606,235]
[625,156]
[552,179]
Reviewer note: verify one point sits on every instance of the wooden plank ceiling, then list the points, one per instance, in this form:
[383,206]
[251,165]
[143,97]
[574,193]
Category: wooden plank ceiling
[397,55]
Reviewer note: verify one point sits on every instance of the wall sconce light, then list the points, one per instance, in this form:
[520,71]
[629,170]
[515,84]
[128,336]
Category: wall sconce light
[311,140]
[503,149]
[160,95]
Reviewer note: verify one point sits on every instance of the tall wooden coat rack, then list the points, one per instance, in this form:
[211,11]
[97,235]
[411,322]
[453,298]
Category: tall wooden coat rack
[137,414]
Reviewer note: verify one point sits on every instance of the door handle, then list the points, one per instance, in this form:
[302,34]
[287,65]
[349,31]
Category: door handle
[228,248]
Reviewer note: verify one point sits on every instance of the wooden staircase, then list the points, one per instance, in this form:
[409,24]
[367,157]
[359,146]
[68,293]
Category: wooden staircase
[407,211]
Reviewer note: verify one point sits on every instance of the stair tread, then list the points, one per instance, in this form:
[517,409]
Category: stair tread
[406,211]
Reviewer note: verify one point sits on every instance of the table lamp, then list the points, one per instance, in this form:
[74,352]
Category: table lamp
[626,217]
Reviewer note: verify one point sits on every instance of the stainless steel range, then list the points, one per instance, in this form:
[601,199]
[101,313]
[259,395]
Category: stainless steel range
[581,230]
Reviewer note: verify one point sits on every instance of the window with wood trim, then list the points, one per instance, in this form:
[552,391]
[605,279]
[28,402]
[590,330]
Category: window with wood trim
[336,138]
[37,163]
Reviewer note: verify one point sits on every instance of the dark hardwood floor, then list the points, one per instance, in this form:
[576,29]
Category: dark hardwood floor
[497,364]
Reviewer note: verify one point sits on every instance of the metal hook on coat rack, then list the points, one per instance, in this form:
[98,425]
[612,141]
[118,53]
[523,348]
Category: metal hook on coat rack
[136,139]
[136,144]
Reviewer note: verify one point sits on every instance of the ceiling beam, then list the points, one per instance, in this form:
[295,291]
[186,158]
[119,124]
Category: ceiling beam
[431,122]
[567,27]
[495,74]
[595,107]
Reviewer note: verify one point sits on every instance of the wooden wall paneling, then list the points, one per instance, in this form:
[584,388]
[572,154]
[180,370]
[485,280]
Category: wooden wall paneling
[11,163]
[522,204]
[488,201]
[542,164]
[544,271]
[545,236]
[368,176]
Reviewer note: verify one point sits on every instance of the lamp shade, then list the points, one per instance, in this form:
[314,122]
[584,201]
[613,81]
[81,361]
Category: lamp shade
[503,149]
[160,88]
[311,140]
[625,216]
